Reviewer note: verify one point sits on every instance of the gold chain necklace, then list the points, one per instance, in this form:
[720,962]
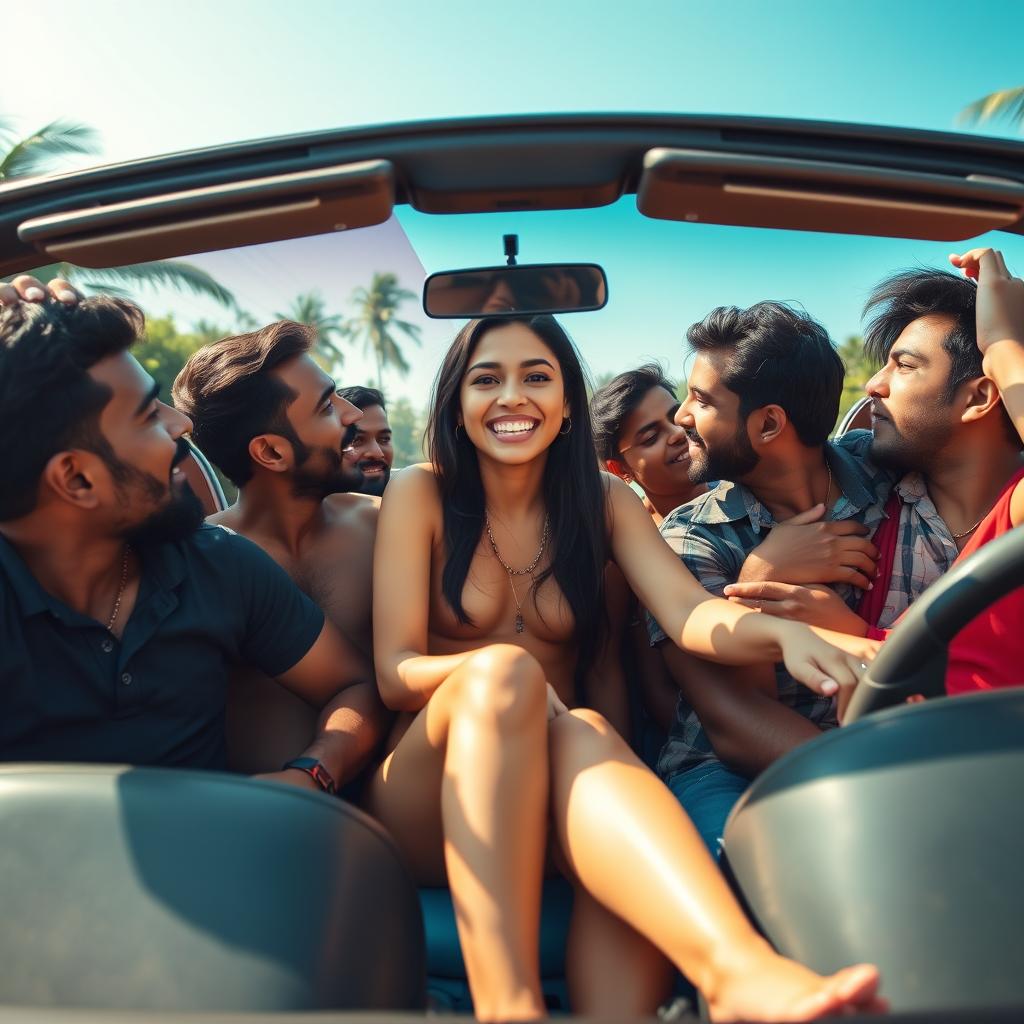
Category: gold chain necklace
[120,589]
[519,624]
[959,536]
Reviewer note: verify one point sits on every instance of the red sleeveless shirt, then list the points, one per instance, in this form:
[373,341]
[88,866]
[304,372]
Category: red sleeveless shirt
[989,651]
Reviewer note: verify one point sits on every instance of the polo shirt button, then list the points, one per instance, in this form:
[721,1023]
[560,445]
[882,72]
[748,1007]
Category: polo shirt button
[107,646]
[126,678]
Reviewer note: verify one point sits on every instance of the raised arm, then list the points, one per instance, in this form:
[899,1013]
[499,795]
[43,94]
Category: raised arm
[1000,337]
[711,627]
[408,528]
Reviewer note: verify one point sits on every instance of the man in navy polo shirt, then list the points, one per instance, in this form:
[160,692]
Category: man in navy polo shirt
[120,612]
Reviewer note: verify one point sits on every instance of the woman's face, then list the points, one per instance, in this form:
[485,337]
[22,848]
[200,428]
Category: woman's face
[512,396]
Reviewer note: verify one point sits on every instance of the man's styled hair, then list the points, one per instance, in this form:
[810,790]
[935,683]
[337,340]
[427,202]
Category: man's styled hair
[362,398]
[907,296]
[776,356]
[612,404]
[228,391]
[48,401]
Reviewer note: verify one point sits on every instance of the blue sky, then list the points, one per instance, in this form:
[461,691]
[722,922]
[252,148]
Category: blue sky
[162,77]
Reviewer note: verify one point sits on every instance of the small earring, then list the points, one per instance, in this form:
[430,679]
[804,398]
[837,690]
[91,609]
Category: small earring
[458,427]
[566,429]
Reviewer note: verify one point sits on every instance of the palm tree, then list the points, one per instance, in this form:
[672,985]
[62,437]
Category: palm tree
[311,310]
[1003,103]
[36,154]
[375,322]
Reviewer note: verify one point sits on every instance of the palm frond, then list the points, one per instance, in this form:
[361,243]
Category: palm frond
[35,154]
[162,273]
[1007,103]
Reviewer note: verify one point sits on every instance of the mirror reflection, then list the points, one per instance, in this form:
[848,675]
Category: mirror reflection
[528,289]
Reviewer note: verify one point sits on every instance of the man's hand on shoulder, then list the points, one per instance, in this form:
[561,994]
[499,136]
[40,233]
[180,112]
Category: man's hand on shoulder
[806,550]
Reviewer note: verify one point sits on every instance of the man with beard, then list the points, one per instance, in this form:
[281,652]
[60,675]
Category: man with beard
[273,422]
[370,450]
[119,611]
[947,413]
[763,394]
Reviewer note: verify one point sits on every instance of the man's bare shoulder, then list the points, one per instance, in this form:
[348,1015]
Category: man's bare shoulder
[352,511]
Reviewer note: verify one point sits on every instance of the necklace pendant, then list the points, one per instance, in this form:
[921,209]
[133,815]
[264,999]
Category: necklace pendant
[519,622]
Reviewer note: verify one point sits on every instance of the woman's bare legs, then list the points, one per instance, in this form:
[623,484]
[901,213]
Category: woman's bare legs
[629,843]
[611,970]
[465,794]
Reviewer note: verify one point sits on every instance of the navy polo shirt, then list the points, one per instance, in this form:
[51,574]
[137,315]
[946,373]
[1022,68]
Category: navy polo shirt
[71,691]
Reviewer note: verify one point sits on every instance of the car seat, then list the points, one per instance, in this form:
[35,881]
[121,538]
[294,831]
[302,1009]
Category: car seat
[446,969]
[203,480]
[157,889]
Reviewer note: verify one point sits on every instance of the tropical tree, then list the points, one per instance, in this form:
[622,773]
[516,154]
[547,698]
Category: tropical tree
[37,154]
[376,324]
[406,432]
[310,309]
[1008,103]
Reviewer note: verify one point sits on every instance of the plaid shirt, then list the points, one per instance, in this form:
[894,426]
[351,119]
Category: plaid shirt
[925,549]
[713,535]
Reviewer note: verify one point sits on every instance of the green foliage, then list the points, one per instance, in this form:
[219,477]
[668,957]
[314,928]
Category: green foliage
[406,432]
[1008,103]
[37,153]
[163,351]
[376,324]
[859,370]
[310,309]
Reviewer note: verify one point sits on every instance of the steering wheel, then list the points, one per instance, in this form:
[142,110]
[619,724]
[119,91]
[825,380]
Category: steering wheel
[913,659]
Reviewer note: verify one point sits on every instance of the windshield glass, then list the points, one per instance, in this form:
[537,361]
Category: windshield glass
[662,277]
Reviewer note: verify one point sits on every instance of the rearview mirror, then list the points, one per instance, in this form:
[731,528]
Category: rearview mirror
[515,291]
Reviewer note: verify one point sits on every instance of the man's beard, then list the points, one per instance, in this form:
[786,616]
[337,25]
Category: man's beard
[727,463]
[332,478]
[180,514]
[910,450]
[374,484]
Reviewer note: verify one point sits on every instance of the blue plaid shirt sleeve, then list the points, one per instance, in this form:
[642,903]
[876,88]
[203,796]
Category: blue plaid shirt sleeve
[707,554]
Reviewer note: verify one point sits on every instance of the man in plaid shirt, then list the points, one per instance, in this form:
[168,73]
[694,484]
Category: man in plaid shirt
[763,395]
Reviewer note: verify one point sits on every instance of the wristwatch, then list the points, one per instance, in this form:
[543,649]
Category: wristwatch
[313,768]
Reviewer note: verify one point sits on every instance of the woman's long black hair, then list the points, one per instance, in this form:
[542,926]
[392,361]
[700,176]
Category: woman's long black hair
[574,495]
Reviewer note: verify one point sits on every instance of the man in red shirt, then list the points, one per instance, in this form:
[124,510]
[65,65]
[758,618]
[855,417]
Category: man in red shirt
[953,414]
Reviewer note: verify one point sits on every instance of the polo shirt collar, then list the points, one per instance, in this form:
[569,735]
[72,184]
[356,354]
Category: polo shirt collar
[28,592]
[730,502]
[164,564]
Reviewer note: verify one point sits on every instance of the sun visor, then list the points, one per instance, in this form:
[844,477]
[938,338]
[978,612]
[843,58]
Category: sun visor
[221,216]
[811,195]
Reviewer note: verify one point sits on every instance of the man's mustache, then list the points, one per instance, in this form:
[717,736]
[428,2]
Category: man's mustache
[182,452]
[365,464]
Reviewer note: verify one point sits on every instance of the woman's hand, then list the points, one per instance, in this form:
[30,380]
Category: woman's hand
[817,606]
[825,662]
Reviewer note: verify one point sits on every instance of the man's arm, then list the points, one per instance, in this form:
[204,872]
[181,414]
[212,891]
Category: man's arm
[1000,313]
[286,636]
[739,710]
[333,676]
[737,706]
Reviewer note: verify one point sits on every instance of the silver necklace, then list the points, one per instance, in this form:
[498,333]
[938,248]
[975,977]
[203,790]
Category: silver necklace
[120,589]
[519,624]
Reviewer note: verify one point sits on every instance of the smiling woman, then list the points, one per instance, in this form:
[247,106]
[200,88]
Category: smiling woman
[486,674]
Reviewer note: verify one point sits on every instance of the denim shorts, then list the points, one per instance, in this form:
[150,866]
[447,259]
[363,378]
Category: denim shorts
[708,793]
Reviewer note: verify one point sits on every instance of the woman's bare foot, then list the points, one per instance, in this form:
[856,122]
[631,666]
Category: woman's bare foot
[773,988]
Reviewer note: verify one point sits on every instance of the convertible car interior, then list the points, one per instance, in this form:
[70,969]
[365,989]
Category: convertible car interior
[157,893]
